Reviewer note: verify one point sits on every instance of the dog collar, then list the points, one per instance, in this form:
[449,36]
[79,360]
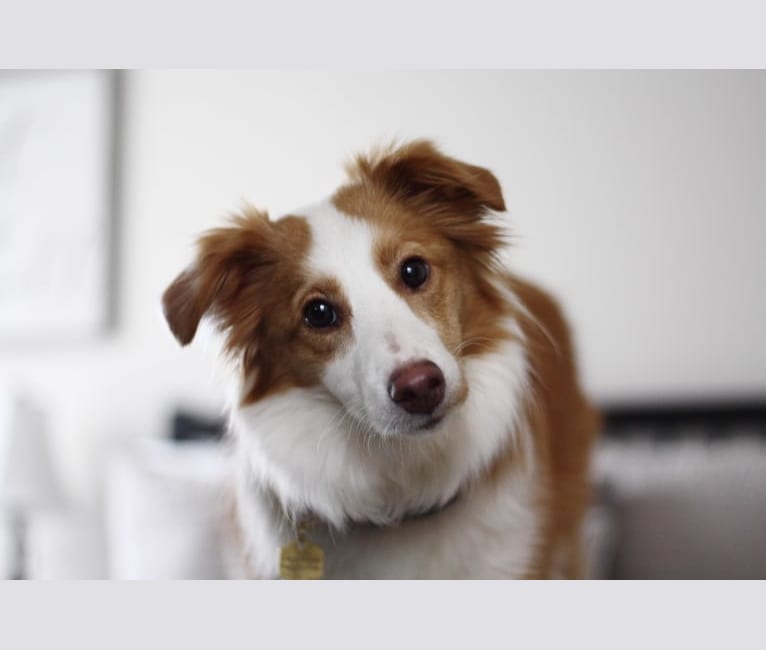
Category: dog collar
[303,559]
[417,514]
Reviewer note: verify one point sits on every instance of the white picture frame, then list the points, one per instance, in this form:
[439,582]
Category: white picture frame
[57,217]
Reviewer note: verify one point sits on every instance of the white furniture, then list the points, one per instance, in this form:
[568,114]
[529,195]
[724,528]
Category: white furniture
[165,508]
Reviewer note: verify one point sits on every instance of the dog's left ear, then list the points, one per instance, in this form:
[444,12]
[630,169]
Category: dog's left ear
[418,172]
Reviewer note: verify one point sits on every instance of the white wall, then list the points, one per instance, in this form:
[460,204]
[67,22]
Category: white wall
[638,197]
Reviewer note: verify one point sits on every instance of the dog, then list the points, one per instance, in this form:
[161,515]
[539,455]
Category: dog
[406,407]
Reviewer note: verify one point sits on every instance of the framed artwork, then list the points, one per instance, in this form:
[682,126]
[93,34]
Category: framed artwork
[57,218]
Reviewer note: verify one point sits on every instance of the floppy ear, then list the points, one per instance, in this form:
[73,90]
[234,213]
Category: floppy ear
[226,258]
[183,306]
[419,172]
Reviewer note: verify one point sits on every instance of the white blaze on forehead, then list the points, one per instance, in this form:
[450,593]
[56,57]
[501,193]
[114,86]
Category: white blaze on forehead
[386,332]
[343,249]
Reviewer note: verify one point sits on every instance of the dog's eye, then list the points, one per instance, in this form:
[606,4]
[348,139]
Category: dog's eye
[414,272]
[319,314]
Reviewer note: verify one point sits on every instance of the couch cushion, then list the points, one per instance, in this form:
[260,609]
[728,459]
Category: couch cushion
[689,508]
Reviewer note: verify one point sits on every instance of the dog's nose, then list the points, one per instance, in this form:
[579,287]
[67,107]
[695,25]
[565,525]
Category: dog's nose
[417,387]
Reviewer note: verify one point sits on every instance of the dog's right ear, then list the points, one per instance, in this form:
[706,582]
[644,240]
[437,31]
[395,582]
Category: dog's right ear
[183,306]
[226,259]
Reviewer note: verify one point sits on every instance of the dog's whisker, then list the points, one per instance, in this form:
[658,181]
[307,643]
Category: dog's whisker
[468,342]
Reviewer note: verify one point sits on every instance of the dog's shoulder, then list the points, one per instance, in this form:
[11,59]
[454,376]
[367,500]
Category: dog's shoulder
[565,423]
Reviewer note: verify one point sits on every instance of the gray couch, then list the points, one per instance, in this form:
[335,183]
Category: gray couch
[690,507]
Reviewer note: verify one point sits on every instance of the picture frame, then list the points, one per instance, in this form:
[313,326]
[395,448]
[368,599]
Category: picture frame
[58,204]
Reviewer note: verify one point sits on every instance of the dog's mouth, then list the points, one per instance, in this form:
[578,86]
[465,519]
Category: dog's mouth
[429,425]
[422,424]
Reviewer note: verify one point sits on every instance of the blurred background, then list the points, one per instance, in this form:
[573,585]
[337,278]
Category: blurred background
[637,197]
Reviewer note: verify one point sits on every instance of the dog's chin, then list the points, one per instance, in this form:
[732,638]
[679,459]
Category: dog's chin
[412,426]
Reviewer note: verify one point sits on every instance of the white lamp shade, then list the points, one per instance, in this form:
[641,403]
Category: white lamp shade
[27,479]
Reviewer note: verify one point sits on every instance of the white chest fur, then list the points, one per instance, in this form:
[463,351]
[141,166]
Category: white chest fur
[490,532]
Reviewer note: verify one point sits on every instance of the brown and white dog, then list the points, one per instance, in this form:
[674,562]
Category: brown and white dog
[399,389]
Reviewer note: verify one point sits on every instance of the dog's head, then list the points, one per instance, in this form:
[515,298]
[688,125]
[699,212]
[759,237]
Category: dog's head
[375,296]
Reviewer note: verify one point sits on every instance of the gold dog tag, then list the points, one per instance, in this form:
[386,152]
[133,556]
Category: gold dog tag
[301,560]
